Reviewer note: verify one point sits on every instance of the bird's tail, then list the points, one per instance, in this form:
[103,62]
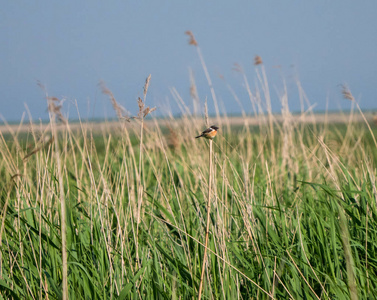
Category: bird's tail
[198,136]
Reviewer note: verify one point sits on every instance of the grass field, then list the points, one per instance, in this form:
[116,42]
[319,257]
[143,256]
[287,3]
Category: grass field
[120,212]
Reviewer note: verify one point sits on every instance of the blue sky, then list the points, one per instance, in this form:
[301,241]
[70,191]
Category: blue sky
[70,46]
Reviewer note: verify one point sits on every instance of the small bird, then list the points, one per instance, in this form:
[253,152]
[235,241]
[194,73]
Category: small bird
[209,133]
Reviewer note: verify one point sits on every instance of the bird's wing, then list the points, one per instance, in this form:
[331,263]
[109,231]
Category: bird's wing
[208,130]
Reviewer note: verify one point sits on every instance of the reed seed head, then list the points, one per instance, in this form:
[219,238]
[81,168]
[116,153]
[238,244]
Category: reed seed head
[237,67]
[120,110]
[55,109]
[146,85]
[257,60]
[192,40]
[347,93]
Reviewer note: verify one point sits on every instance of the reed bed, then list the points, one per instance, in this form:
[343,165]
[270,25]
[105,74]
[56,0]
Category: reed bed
[293,211]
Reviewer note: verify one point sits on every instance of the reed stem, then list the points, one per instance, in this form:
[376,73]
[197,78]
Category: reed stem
[208,219]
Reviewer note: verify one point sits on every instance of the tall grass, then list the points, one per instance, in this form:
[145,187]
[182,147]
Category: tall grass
[293,214]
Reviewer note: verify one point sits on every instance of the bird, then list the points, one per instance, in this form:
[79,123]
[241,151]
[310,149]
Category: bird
[209,133]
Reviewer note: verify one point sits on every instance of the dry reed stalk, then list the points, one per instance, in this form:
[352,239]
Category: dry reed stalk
[344,232]
[208,209]
[119,109]
[194,94]
[192,41]
[43,144]
[143,112]
[288,149]
[122,114]
[264,82]
[303,97]
[350,128]
[63,219]
[208,221]
[238,68]
[348,95]
[54,110]
[254,99]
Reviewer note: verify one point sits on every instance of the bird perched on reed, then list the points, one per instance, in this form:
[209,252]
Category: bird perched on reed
[209,133]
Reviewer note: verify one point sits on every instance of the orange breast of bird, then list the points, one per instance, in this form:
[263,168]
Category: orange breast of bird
[211,134]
